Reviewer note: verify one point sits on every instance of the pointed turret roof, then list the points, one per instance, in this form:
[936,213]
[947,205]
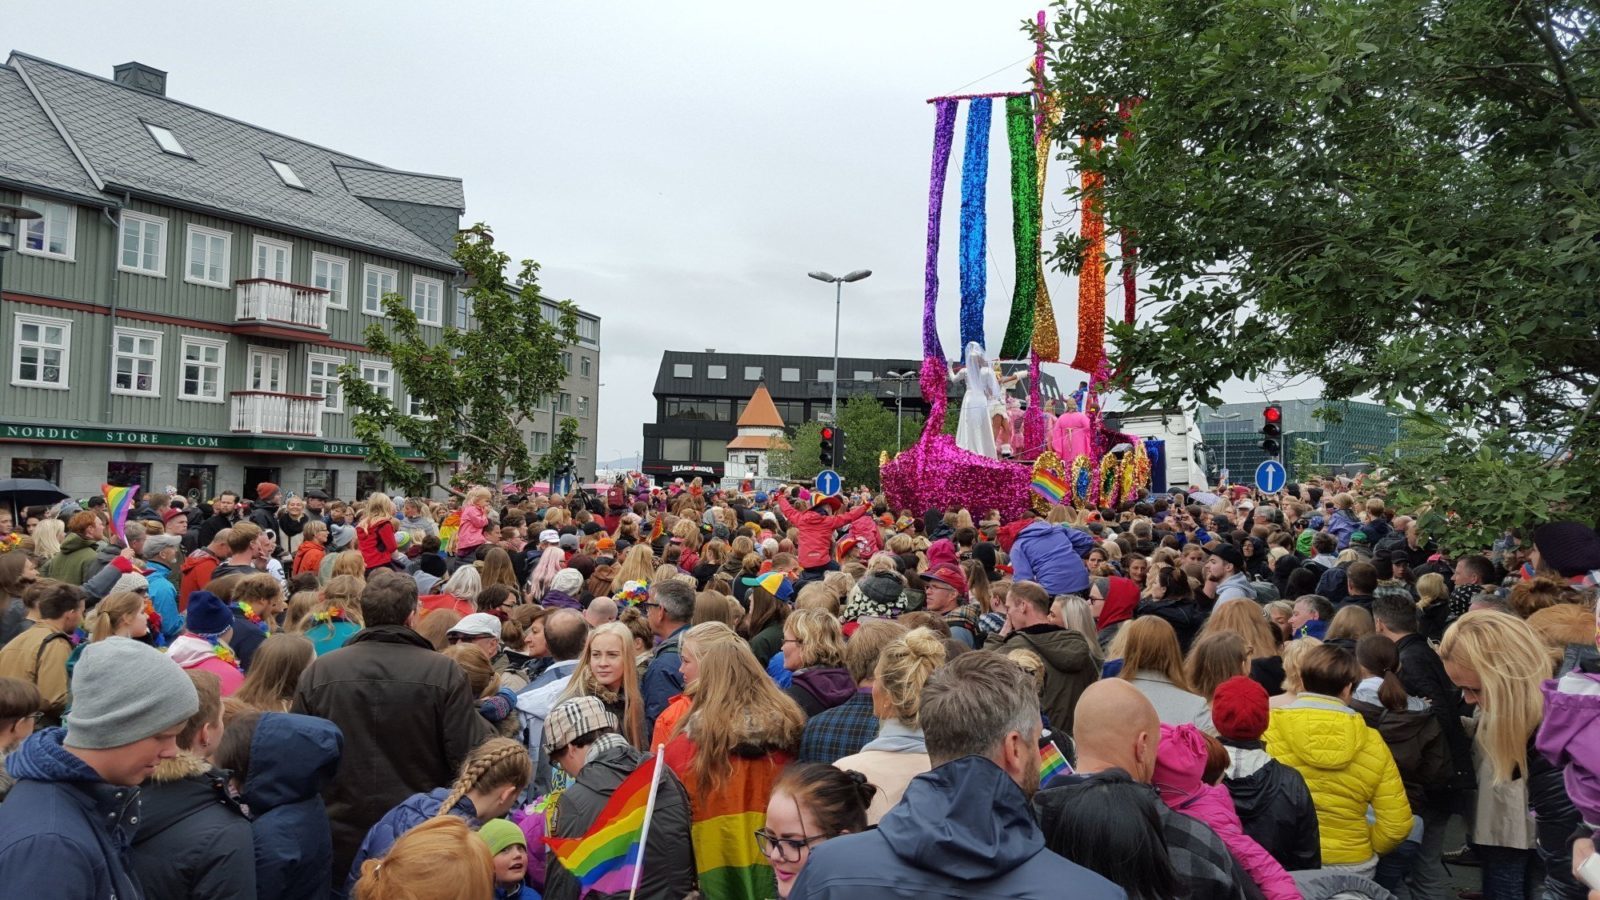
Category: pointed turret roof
[760,412]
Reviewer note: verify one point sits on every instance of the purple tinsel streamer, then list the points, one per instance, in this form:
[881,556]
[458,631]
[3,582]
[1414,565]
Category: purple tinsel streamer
[974,220]
[944,128]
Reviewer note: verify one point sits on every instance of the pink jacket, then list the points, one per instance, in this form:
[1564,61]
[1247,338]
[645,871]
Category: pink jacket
[191,652]
[473,521]
[865,531]
[1180,762]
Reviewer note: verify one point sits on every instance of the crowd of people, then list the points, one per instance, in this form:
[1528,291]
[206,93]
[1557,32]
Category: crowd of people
[1198,694]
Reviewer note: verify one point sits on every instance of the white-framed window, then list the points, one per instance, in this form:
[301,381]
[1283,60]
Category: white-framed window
[136,362]
[414,407]
[581,445]
[717,373]
[463,309]
[332,274]
[586,366]
[53,234]
[427,300]
[265,369]
[322,379]
[789,374]
[583,407]
[566,362]
[271,258]
[538,442]
[381,376]
[861,375]
[44,348]
[287,174]
[563,402]
[207,259]
[682,370]
[588,330]
[752,373]
[200,371]
[144,244]
[165,139]
[824,375]
[376,281]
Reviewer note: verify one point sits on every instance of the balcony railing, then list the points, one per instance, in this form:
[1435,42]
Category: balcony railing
[266,301]
[260,412]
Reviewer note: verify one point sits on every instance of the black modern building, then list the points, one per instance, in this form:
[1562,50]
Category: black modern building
[699,397]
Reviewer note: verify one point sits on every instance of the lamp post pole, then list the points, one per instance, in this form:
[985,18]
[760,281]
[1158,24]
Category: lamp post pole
[838,300]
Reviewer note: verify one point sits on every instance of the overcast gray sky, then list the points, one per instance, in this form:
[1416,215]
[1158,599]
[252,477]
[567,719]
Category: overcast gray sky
[676,168]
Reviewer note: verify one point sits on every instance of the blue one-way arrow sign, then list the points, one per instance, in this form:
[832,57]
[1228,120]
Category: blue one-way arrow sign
[1270,476]
[828,482]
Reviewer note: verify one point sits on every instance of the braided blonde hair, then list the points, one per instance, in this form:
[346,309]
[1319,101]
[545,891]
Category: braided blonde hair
[495,763]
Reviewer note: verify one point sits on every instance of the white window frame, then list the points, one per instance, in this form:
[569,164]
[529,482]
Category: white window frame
[586,367]
[332,376]
[824,375]
[166,139]
[145,221]
[418,283]
[464,309]
[581,445]
[257,241]
[413,408]
[538,442]
[49,208]
[221,365]
[154,358]
[789,375]
[563,402]
[372,365]
[682,370]
[566,361]
[583,407]
[713,370]
[752,373]
[188,256]
[65,347]
[375,307]
[255,352]
[287,174]
[343,293]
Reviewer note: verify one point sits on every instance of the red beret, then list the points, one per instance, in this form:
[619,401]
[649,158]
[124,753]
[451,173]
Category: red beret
[1239,709]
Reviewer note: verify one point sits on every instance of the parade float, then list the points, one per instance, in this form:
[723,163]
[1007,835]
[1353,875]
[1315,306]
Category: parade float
[1071,456]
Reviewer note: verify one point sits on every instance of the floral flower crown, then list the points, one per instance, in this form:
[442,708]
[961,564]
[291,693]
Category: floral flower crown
[633,593]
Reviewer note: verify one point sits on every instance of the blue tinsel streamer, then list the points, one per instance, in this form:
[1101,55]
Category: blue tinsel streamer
[974,220]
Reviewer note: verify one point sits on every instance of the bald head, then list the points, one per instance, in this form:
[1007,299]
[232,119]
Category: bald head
[1116,727]
[565,633]
[601,610]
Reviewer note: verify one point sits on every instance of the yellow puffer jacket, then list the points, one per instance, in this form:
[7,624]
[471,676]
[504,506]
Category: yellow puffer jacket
[1348,767]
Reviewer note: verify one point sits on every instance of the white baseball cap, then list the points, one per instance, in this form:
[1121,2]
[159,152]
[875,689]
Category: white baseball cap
[477,625]
[549,536]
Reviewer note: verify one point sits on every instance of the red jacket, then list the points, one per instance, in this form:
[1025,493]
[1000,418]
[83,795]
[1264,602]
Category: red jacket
[816,531]
[376,544]
[197,571]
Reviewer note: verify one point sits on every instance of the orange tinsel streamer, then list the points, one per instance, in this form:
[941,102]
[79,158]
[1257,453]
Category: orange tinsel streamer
[1092,275]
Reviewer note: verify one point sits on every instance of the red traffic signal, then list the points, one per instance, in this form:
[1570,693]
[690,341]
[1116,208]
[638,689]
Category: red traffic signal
[1273,414]
[827,434]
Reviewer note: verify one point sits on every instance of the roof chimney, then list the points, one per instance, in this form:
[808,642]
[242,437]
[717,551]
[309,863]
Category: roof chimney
[141,77]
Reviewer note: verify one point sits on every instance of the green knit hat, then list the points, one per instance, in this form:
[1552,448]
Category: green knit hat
[500,834]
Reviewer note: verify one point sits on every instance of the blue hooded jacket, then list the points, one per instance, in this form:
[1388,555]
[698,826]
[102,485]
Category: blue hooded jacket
[1052,556]
[962,830]
[412,811]
[64,830]
[292,758]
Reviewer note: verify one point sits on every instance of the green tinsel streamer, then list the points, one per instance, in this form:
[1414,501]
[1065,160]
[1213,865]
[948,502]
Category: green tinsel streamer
[1024,225]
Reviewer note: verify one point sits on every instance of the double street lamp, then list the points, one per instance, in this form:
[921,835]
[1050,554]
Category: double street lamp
[838,282]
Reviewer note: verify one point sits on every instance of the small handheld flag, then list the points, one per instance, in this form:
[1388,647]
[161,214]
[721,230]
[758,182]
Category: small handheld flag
[119,501]
[608,858]
[1051,764]
[1049,486]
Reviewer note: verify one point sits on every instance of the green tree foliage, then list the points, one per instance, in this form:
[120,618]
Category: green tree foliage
[1396,198]
[475,388]
[803,459]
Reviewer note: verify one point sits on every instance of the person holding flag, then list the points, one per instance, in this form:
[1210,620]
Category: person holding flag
[622,801]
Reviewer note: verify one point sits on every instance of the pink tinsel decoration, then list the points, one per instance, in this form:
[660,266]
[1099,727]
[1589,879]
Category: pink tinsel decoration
[936,473]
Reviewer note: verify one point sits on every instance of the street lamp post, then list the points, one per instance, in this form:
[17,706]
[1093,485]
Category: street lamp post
[899,379]
[10,215]
[1227,436]
[1396,417]
[838,296]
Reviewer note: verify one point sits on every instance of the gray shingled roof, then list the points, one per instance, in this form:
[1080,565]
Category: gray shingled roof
[228,171]
[405,187]
[32,153]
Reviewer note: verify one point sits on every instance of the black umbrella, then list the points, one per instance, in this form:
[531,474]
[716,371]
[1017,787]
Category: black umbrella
[29,492]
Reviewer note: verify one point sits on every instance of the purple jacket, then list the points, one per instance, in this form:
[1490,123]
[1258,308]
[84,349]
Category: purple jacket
[554,599]
[1052,556]
[1180,761]
[1569,737]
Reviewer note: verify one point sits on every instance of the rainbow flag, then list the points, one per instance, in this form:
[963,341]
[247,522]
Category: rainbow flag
[1049,486]
[119,501]
[447,531]
[608,857]
[1051,764]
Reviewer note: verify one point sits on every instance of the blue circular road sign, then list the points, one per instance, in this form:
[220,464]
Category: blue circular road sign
[1271,476]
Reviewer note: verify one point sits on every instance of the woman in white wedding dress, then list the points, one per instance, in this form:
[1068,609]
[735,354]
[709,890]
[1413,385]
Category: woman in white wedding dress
[983,407]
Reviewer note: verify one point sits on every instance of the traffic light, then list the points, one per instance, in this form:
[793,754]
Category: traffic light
[825,446]
[1272,430]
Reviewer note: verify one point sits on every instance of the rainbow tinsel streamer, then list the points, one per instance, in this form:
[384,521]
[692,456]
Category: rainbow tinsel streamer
[974,219]
[1092,274]
[1024,225]
[119,501]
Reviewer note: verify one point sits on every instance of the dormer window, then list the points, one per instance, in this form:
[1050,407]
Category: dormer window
[286,174]
[166,140]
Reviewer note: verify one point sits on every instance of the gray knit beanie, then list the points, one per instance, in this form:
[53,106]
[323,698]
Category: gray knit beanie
[125,691]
